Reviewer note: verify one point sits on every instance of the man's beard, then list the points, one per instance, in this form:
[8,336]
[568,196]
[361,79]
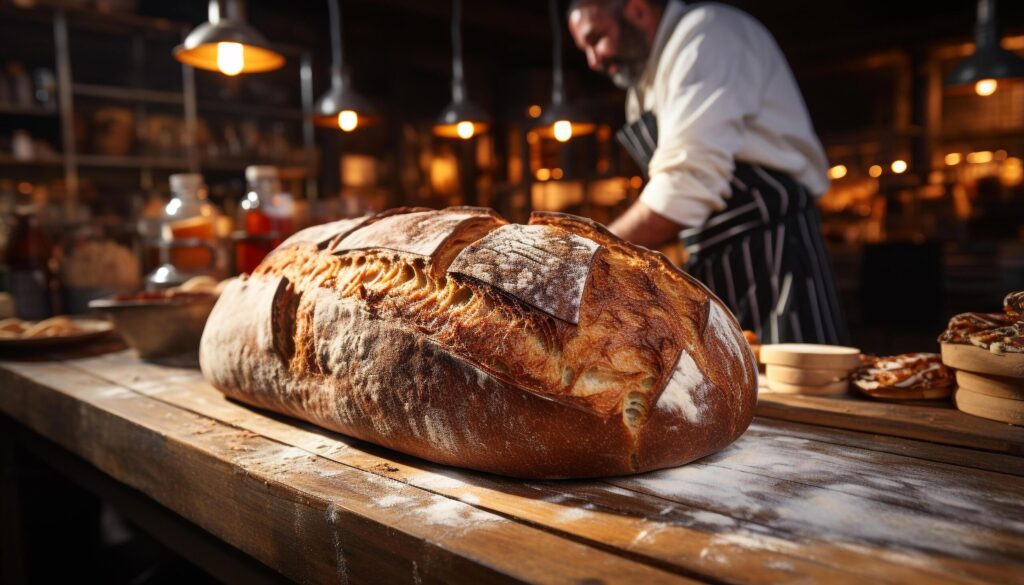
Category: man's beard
[633,54]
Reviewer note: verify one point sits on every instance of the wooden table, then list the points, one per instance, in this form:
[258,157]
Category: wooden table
[787,502]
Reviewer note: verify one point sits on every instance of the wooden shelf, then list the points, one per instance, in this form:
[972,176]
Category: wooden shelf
[131,162]
[227,107]
[19,110]
[128,93]
[9,161]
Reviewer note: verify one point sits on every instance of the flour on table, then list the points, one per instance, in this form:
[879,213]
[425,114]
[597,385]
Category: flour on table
[439,511]
[574,514]
[438,480]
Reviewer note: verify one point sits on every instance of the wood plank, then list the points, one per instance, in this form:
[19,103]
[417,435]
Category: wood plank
[974,497]
[616,522]
[937,424]
[699,537]
[222,561]
[812,514]
[959,456]
[311,518]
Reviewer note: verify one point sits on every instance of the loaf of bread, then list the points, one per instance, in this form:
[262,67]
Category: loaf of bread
[548,350]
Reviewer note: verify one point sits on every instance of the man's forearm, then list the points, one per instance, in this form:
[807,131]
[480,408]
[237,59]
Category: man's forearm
[641,225]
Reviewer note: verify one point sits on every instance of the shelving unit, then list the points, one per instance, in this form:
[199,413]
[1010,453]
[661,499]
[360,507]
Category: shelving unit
[17,110]
[72,30]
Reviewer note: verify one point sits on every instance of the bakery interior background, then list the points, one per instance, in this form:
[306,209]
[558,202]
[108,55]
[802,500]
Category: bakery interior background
[925,218]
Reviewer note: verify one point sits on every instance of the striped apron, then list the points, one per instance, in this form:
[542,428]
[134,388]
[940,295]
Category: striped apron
[763,254]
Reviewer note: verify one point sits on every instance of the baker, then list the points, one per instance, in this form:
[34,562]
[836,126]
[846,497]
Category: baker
[717,122]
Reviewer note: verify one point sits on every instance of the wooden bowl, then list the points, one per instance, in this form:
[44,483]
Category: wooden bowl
[811,356]
[982,361]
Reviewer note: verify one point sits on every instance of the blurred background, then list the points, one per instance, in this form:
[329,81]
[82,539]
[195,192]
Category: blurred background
[925,217]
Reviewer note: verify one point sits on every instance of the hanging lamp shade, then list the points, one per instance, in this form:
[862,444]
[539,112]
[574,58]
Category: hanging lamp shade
[559,120]
[989,62]
[341,106]
[460,118]
[563,122]
[226,43]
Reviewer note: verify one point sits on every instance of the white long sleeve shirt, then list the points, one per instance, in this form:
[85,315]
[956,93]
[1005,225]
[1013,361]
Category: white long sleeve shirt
[722,92]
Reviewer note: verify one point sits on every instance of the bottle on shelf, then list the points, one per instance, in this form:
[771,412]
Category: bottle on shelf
[29,277]
[264,217]
[188,230]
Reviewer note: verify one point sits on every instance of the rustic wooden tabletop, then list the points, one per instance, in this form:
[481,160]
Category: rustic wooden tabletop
[789,501]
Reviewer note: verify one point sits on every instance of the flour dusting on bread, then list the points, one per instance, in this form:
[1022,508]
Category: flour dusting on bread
[686,389]
[544,267]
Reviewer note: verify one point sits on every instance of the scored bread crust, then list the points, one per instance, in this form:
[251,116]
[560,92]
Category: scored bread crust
[617,364]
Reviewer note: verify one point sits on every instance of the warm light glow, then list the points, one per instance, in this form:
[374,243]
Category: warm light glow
[837,172]
[980,157]
[543,174]
[531,137]
[898,166]
[1012,173]
[1000,154]
[875,171]
[952,158]
[230,58]
[25,188]
[562,130]
[464,130]
[556,173]
[636,182]
[986,87]
[534,111]
[347,120]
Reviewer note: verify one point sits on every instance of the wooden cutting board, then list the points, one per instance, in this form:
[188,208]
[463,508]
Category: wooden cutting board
[935,421]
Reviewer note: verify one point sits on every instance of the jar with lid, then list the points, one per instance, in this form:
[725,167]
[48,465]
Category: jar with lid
[264,217]
[188,225]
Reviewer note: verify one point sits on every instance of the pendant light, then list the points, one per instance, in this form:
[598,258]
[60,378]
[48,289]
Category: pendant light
[990,62]
[461,118]
[559,120]
[341,107]
[226,43]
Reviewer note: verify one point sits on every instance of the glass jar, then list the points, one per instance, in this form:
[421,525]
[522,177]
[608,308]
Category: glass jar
[188,225]
[264,217]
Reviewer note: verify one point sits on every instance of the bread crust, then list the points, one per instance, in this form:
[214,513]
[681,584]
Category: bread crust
[389,346]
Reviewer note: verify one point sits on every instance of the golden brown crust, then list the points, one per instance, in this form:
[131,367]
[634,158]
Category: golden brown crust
[385,343]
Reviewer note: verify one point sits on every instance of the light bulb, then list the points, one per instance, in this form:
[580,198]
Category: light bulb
[952,158]
[230,58]
[465,130]
[347,120]
[562,130]
[980,157]
[875,171]
[837,172]
[898,166]
[986,87]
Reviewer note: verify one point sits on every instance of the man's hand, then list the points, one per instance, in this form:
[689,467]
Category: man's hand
[640,225]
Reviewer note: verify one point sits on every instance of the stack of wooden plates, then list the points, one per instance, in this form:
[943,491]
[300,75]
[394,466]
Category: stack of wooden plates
[803,368]
[991,385]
